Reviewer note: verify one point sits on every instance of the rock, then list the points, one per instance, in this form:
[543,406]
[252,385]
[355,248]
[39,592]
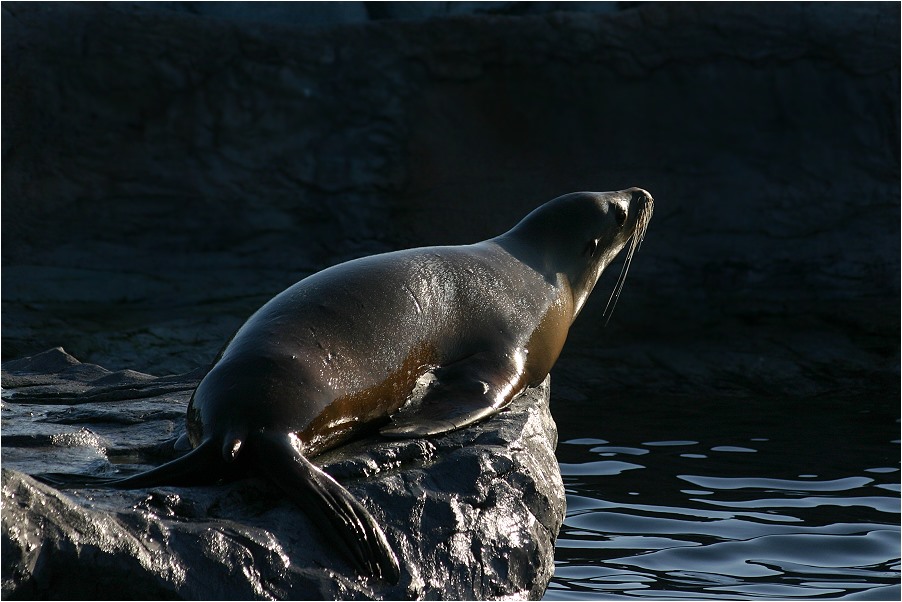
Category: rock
[285,13]
[319,14]
[472,515]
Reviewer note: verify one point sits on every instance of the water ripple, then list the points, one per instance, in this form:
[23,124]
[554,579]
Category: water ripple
[777,484]
[755,523]
[604,467]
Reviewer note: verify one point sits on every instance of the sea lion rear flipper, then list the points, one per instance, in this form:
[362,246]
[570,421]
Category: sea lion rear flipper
[329,504]
[201,465]
[462,393]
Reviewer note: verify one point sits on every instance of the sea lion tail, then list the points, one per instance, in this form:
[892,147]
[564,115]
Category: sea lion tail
[353,528]
[201,465]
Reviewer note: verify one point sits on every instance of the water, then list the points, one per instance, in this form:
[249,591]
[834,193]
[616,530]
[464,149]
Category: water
[729,499]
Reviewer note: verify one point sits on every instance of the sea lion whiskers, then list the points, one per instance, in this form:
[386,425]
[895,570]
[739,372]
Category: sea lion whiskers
[615,294]
[642,221]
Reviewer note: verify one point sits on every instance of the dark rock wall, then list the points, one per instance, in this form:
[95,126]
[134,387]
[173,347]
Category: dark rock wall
[165,172]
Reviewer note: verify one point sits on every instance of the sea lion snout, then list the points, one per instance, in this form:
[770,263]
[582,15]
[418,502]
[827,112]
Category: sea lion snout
[640,207]
[629,207]
[639,194]
[640,199]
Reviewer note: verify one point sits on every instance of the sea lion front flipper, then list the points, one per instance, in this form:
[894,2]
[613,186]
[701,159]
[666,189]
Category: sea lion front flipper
[203,464]
[353,528]
[462,393]
[434,420]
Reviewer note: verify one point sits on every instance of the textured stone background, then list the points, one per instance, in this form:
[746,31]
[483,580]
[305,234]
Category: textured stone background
[165,173]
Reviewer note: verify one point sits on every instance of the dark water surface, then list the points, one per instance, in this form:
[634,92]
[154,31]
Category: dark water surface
[729,498]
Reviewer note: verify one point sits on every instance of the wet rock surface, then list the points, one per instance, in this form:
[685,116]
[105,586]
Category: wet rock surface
[472,515]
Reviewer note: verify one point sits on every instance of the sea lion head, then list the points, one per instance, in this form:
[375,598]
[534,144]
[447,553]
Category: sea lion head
[574,237]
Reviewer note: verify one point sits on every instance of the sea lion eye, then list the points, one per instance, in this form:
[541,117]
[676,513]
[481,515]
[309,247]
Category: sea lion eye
[592,247]
[620,214]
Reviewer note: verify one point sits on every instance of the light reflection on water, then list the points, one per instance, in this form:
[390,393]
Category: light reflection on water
[672,518]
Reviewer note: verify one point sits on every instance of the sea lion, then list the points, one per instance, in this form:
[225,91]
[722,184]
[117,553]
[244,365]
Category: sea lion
[420,342]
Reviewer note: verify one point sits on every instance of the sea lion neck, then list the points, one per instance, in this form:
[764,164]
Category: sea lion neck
[531,250]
